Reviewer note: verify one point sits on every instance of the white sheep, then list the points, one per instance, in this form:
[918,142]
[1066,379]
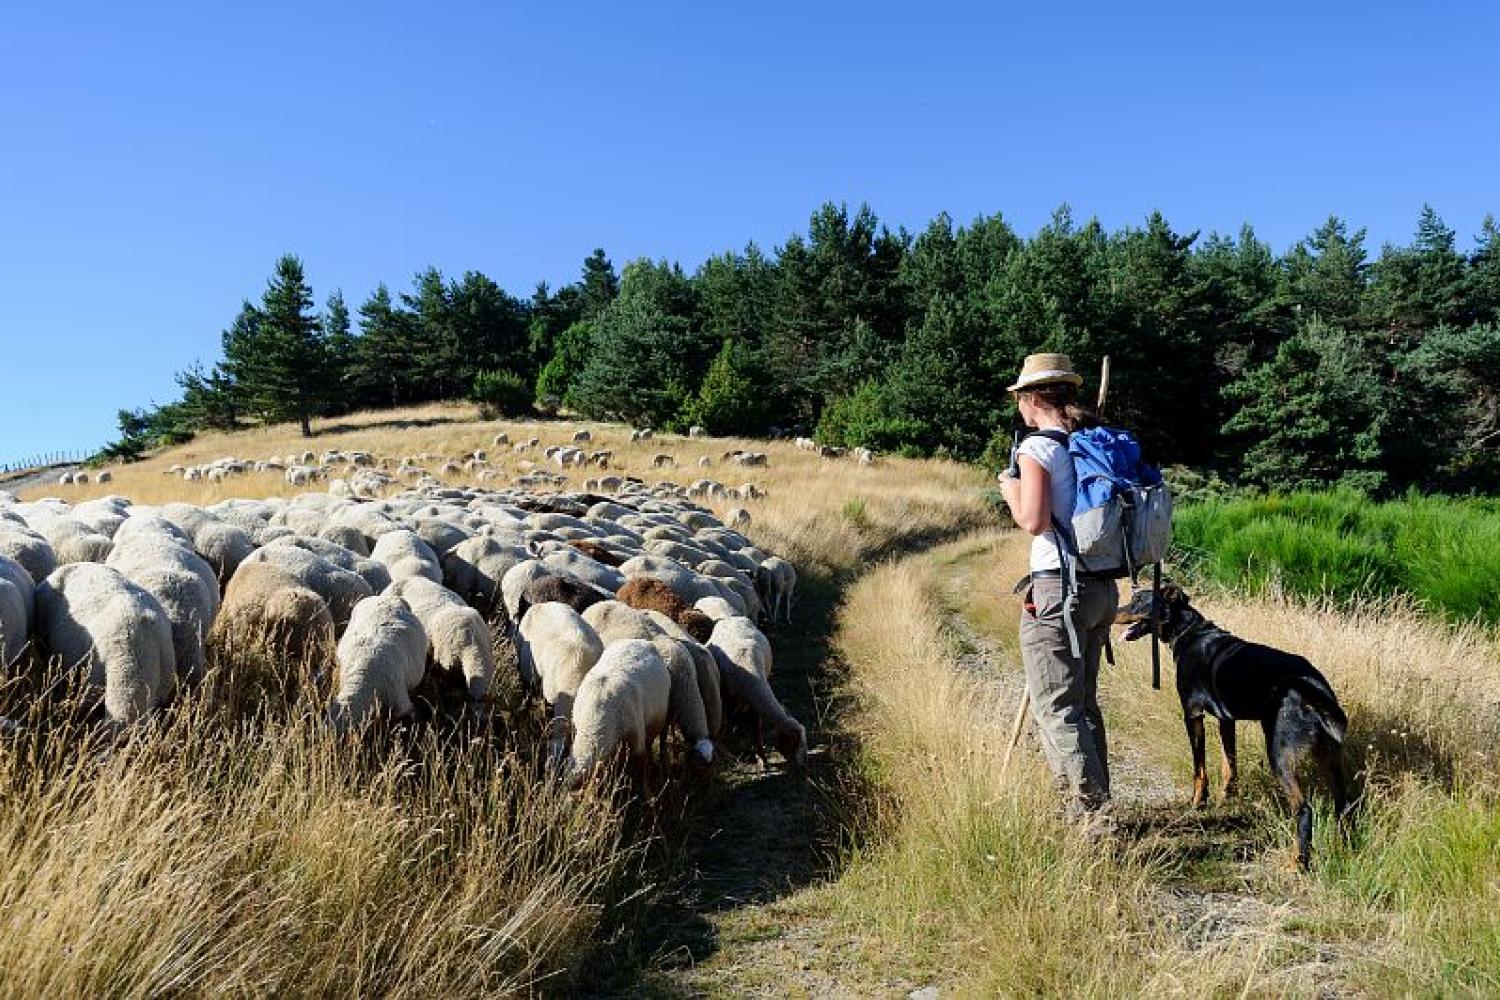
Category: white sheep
[615,621]
[28,548]
[556,649]
[570,561]
[777,580]
[224,545]
[17,610]
[372,572]
[183,583]
[381,658]
[622,706]
[458,639]
[744,658]
[686,702]
[339,587]
[405,554]
[71,539]
[715,607]
[94,619]
[705,668]
[515,581]
[474,568]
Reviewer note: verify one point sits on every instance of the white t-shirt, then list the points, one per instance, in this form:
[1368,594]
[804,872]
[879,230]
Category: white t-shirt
[1061,491]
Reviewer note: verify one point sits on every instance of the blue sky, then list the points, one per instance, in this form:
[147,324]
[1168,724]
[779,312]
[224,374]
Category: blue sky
[157,158]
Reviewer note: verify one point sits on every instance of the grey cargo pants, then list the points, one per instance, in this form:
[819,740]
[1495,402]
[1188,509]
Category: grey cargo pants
[1064,691]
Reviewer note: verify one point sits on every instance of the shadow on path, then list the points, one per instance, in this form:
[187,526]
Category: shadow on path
[754,835]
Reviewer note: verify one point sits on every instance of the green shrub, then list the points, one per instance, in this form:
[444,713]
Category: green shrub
[500,394]
[730,400]
[866,419]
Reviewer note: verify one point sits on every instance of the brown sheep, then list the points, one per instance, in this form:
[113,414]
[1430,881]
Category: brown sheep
[696,624]
[596,552]
[574,593]
[646,593]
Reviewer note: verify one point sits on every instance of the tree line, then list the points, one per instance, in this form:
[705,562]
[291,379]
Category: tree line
[1321,366]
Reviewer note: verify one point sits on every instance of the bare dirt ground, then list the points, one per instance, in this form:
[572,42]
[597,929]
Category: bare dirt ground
[38,477]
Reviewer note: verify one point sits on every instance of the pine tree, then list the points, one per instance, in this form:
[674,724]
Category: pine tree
[1482,282]
[340,342]
[554,383]
[1314,415]
[599,285]
[1327,272]
[436,355]
[278,356]
[382,371]
[637,370]
[490,326]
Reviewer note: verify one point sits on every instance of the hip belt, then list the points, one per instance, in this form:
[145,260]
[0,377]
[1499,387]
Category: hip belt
[1057,573]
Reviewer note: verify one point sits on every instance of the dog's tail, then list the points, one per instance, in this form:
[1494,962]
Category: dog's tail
[1325,705]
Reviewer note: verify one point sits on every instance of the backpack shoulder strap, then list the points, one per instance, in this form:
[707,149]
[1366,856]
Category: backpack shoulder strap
[1052,434]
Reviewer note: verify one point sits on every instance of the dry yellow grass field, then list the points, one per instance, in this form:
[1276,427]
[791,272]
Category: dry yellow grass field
[265,857]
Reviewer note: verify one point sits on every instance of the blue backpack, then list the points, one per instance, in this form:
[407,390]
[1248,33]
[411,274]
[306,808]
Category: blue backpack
[1122,512]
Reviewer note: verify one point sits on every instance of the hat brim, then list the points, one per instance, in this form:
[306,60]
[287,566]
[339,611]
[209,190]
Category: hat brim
[1046,378]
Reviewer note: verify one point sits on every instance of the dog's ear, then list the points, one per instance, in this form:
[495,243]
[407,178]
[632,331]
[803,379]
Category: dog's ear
[1172,594]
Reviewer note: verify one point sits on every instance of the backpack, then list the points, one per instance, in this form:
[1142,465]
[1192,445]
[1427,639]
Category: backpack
[1122,511]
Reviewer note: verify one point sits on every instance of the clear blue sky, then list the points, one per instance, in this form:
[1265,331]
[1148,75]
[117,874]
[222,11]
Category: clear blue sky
[157,158]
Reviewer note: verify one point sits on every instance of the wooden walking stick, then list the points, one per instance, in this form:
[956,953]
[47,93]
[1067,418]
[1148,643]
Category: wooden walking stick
[1025,701]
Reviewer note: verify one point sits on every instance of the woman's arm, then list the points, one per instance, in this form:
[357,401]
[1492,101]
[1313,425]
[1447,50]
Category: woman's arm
[1028,497]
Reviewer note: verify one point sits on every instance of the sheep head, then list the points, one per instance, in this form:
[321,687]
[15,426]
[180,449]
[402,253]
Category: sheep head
[790,739]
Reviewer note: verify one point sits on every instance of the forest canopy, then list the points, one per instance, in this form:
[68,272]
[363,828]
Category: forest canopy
[1326,365]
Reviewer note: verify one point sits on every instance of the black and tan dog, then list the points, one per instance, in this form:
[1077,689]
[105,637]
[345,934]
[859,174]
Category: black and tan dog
[1234,680]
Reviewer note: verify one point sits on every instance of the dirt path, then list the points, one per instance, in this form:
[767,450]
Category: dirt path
[39,477]
[751,842]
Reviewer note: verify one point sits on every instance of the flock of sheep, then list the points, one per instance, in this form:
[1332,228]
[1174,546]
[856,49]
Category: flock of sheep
[628,614]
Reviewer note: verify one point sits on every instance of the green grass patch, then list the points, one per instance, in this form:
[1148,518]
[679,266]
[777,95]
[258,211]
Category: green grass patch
[1431,861]
[1443,552]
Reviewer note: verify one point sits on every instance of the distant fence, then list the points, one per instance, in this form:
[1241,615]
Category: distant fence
[48,458]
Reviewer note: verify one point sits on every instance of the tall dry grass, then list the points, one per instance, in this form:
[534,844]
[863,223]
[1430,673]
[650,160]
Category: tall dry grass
[1412,903]
[247,851]
[972,879]
[268,858]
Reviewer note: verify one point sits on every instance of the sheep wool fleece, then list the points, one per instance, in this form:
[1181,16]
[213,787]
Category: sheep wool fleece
[1064,690]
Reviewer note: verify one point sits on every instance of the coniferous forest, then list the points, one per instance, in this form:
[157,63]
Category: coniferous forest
[1329,365]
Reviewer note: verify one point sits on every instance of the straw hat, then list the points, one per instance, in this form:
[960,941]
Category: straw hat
[1045,369]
